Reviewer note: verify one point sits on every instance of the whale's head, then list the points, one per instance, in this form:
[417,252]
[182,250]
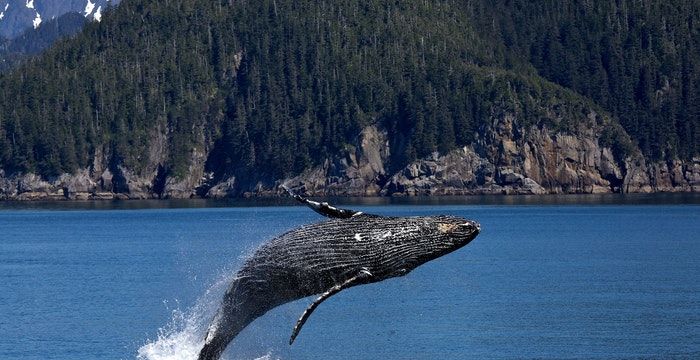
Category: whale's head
[449,234]
[425,239]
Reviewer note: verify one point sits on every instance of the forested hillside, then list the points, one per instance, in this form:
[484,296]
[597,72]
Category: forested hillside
[263,90]
[640,60]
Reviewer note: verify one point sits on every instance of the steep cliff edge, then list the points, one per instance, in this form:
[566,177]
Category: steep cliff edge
[107,179]
[506,160]
[536,160]
[508,157]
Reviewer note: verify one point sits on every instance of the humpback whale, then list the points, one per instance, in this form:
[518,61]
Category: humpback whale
[350,248]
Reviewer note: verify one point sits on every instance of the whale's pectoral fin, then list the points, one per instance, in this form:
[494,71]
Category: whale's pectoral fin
[323,208]
[362,277]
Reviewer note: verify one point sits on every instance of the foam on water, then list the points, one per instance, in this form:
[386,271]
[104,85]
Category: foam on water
[180,340]
[183,337]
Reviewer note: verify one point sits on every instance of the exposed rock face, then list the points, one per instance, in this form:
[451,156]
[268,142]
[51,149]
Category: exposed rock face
[32,187]
[360,171]
[223,189]
[105,182]
[460,172]
[78,186]
[675,176]
[186,187]
[507,159]
[538,160]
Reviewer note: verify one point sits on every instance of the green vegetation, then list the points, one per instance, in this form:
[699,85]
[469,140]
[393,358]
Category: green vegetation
[640,60]
[271,87]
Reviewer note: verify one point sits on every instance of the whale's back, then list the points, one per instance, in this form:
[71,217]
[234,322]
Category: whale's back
[334,250]
[319,257]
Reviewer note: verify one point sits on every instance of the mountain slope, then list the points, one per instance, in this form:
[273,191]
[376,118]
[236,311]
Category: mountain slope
[18,16]
[34,41]
[638,60]
[183,97]
[29,27]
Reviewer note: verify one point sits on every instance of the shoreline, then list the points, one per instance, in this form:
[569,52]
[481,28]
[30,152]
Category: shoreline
[647,199]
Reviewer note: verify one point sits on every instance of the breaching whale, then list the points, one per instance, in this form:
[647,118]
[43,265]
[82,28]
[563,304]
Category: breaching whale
[351,248]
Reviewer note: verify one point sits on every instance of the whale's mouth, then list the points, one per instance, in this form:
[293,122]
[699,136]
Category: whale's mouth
[466,232]
[470,227]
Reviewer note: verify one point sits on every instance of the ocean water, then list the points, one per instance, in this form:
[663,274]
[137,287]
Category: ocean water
[540,281]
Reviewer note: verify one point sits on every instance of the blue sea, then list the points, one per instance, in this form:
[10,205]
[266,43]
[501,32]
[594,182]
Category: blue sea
[545,279]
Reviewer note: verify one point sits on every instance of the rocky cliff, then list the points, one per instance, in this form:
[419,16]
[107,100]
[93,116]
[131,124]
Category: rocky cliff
[508,158]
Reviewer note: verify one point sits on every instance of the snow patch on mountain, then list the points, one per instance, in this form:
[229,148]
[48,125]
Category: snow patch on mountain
[19,16]
[2,14]
[37,20]
[98,14]
[89,7]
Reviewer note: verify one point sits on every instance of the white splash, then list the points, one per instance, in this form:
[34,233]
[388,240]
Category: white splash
[268,356]
[89,7]
[37,20]
[29,5]
[2,15]
[358,237]
[7,6]
[98,14]
[178,340]
[183,337]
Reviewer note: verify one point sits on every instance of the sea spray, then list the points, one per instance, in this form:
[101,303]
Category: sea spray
[179,340]
[183,336]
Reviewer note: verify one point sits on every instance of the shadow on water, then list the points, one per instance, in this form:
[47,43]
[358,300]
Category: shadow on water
[507,200]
